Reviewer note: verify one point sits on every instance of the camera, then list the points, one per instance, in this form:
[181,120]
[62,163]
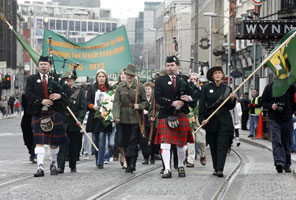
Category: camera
[280,106]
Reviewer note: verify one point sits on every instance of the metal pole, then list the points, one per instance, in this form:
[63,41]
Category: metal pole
[254,64]
[229,51]
[210,43]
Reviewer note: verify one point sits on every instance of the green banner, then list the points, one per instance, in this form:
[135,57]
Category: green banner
[110,52]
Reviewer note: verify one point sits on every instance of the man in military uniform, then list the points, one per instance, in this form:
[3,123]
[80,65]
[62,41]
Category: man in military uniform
[78,107]
[124,113]
[46,100]
[173,95]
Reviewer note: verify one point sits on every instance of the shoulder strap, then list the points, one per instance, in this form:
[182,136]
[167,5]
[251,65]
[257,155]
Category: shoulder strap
[75,94]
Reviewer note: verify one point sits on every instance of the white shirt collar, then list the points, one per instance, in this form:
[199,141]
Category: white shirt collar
[46,76]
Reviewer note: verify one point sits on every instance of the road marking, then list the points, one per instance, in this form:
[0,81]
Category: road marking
[9,134]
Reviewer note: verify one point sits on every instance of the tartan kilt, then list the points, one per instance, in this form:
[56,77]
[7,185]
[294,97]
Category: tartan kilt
[179,136]
[57,136]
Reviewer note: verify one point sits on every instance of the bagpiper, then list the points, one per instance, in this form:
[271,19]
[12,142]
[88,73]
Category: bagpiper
[174,96]
[46,100]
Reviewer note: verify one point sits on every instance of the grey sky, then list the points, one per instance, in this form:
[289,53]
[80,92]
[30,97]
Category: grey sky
[121,8]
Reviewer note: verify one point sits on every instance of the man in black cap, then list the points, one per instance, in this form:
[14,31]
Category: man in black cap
[173,95]
[45,103]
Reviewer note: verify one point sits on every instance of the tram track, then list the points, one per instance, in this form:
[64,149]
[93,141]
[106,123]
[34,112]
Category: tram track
[222,190]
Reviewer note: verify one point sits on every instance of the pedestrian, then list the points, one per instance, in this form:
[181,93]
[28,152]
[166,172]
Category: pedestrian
[254,110]
[28,136]
[220,127]
[245,101]
[11,103]
[17,106]
[199,136]
[101,128]
[45,103]
[77,104]
[125,110]
[173,95]
[280,112]
[236,114]
[3,106]
[293,142]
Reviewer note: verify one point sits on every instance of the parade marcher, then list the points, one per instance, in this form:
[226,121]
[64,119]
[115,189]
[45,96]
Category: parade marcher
[46,100]
[118,136]
[280,112]
[100,130]
[173,96]
[254,111]
[147,149]
[220,126]
[199,136]
[245,101]
[125,110]
[27,131]
[77,105]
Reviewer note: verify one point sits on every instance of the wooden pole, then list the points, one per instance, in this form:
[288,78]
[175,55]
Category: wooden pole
[152,124]
[253,73]
[137,111]
[82,128]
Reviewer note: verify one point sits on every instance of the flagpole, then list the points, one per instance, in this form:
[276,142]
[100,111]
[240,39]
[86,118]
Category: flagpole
[253,73]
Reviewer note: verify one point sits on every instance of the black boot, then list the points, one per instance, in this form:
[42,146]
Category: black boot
[128,161]
[133,164]
[145,162]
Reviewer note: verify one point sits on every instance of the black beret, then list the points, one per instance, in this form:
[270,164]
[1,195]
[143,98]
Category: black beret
[44,59]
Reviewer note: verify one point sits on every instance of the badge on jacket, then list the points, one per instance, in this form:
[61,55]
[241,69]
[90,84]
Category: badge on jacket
[211,91]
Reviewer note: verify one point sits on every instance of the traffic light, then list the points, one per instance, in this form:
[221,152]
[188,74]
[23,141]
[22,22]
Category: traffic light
[7,82]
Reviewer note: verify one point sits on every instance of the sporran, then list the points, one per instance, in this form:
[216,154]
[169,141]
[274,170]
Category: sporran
[173,121]
[46,124]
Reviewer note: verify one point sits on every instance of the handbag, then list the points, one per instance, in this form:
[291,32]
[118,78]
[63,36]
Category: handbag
[173,121]
[46,124]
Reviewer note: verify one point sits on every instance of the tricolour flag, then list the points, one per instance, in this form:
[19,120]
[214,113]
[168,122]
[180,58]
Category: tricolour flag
[283,64]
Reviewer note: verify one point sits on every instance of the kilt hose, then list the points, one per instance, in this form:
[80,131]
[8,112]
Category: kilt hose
[179,136]
[57,136]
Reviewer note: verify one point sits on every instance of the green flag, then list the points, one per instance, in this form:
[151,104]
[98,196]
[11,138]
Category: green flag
[110,51]
[33,54]
[283,64]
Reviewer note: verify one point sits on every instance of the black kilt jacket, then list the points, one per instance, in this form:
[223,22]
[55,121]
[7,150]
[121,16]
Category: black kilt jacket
[165,94]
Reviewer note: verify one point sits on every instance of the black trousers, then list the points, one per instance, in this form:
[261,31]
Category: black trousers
[219,143]
[27,133]
[148,150]
[130,140]
[72,148]
[245,118]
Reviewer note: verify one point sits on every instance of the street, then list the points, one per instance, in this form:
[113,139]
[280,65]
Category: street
[257,178]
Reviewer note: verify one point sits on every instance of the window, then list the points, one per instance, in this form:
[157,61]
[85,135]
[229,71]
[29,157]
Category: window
[96,27]
[77,25]
[108,27]
[103,27]
[114,26]
[71,25]
[90,26]
[59,24]
[52,24]
[83,26]
[81,40]
[65,25]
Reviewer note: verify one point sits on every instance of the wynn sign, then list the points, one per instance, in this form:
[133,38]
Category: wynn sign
[263,29]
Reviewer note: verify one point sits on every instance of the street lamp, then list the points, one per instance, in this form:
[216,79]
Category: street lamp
[211,15]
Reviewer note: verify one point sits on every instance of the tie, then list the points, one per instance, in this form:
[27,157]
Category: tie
[44,84]
[174,82]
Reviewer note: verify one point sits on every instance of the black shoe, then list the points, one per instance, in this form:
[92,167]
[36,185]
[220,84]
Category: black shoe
[100,166]
[53,170]
[279,168]
[74,170]
[39,173]
[220,173]
[60,171]
[215,173]
[167,174]
[157,157]
[152,161]
[288,170]
[161,171]
[181,172]
[145,162]
[130,169]
[250,135]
